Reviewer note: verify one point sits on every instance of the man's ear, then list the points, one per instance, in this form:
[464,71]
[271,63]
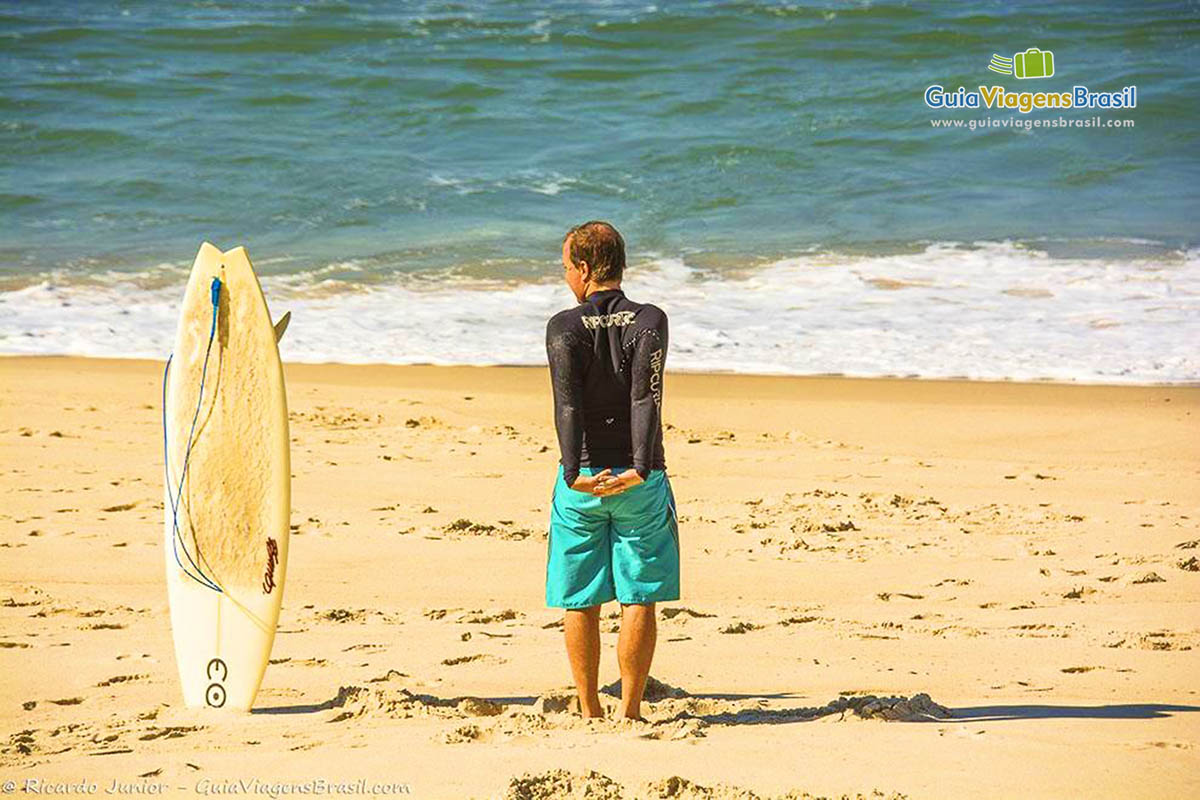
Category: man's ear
[585,270]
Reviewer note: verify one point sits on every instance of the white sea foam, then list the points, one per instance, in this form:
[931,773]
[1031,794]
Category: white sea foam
[984,311]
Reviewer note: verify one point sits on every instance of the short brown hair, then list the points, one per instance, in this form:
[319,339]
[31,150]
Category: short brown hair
[601,246]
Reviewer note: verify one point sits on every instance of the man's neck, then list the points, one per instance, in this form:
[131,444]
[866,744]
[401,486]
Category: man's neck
[607,287]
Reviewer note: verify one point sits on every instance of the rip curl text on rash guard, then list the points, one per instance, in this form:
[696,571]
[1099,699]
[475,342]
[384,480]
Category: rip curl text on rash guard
[606,366]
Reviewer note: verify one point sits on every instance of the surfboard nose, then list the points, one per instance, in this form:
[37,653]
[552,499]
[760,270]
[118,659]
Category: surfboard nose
[207,248]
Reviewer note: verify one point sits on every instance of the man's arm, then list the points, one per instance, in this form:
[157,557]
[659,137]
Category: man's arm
[566,378]
[649,356]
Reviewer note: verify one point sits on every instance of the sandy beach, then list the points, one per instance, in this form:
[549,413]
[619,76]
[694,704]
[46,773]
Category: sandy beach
[1021,558]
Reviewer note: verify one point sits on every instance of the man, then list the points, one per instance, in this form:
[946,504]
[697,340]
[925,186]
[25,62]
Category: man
[613,528]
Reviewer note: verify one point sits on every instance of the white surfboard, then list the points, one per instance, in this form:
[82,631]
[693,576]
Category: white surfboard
[228,481]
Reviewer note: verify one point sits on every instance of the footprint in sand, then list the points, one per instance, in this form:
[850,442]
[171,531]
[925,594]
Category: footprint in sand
[886,596]
[683,612]
[480,617]
[169,732]
[463,526]
[464,734]
[484,657]
[121,679]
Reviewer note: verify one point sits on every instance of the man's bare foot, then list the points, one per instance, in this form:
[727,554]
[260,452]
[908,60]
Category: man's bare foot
[629,713]
[591,709]
[626,712]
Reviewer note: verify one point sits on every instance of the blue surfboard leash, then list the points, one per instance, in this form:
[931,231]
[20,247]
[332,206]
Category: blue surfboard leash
[176,497]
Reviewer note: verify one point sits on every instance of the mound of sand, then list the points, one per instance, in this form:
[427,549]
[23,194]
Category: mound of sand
[655,691]
[918,708]
[398,702]
[560,784]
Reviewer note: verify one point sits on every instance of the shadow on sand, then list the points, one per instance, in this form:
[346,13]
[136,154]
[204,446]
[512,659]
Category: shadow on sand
[780,716]
[1116,711]
[995,713]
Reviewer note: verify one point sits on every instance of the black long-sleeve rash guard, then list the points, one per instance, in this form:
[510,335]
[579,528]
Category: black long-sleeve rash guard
[606,364]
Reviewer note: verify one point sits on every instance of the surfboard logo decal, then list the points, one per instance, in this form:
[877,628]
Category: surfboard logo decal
[272,559]
[617,319]
[656,364]
[217,672]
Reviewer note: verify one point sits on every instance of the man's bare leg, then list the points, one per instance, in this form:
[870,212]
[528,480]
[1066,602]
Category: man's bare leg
[582,628]
[635,651]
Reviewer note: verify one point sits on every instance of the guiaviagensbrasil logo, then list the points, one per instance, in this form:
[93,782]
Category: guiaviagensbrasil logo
[1026,65]
[1033,63]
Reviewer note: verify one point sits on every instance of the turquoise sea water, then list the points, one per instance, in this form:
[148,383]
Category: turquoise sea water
[400,156]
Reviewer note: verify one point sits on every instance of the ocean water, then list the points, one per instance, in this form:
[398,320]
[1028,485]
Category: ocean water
[402,175]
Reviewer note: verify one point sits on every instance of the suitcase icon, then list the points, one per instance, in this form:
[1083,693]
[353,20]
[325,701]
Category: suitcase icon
[1033,63]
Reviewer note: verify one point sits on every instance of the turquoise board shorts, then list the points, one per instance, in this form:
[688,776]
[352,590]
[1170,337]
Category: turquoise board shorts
[624,547]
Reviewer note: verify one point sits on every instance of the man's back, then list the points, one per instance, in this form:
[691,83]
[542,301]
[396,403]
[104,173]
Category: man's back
[606,363]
